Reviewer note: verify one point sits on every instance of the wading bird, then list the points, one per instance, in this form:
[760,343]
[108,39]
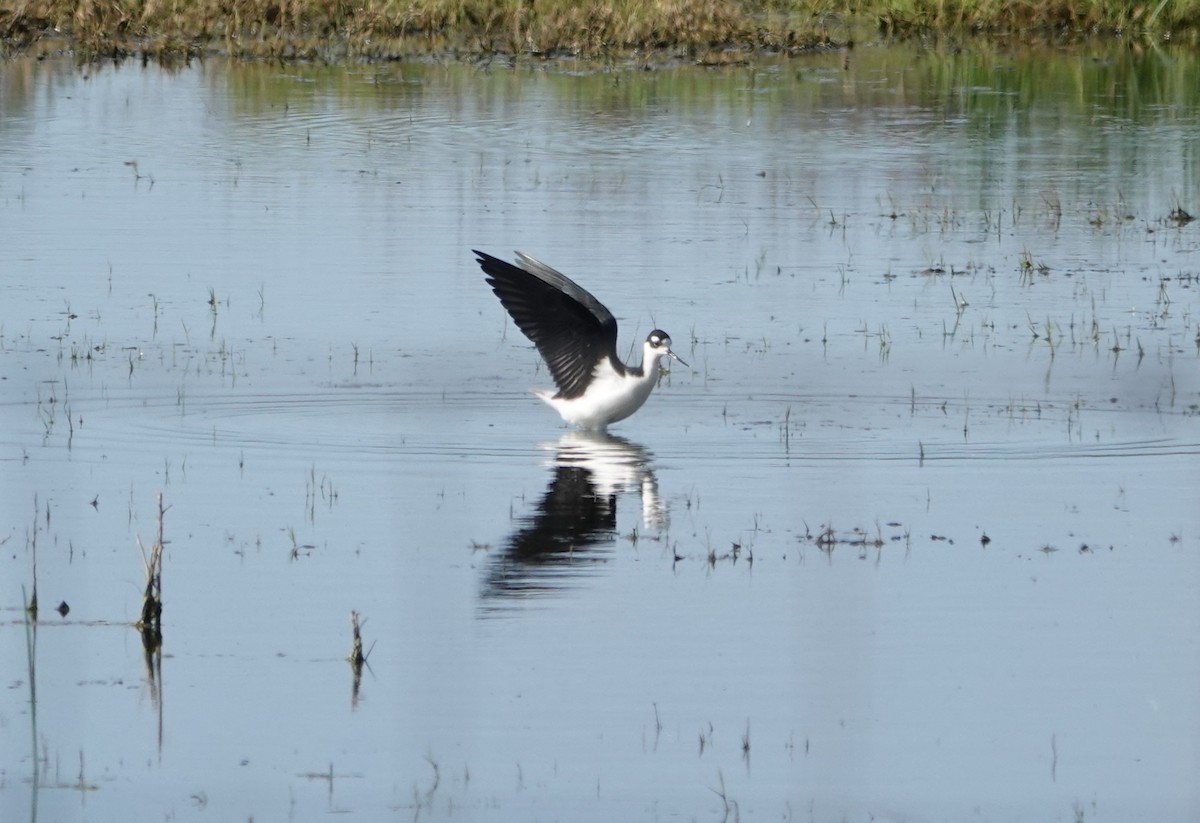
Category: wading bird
[577,337]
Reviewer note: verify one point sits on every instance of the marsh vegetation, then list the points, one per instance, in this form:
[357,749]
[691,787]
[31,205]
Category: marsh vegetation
[711,31]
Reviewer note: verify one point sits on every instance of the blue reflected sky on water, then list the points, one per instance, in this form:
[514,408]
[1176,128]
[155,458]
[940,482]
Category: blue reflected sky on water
[925,298]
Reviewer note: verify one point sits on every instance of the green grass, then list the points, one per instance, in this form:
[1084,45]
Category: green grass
[1156,18]
[692,29]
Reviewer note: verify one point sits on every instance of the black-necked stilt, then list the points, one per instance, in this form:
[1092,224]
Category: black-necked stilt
[577,337]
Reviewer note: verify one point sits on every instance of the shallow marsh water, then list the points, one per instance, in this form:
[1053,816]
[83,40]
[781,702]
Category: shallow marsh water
[926,298]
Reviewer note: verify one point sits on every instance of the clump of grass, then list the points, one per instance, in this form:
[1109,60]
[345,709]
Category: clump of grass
[357,656]
[1179,215]
[1160,18]
[379,29]
[714,32]
[150,623]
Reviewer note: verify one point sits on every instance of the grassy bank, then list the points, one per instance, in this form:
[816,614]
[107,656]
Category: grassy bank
[693,29]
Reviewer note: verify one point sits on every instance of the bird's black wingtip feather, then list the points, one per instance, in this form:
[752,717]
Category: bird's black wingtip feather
[491,264]
[488,263]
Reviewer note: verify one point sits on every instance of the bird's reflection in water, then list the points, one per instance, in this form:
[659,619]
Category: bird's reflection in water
[575,524]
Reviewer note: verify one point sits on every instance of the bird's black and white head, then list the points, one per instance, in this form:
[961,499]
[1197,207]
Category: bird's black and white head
[658,346]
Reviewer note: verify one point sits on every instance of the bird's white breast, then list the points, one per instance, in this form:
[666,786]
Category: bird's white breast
[610,396]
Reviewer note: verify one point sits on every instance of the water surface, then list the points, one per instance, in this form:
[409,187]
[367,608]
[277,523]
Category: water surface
[915,537]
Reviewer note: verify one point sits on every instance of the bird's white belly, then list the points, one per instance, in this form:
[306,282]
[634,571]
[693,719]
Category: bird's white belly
[609,397]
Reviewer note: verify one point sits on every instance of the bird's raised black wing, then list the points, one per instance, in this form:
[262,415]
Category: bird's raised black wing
[572,330]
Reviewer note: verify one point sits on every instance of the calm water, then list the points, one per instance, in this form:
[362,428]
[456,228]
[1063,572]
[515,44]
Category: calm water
[915,538]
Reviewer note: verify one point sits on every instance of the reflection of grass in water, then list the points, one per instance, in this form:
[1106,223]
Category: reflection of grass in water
[81,785]
[31,661]
[316,29]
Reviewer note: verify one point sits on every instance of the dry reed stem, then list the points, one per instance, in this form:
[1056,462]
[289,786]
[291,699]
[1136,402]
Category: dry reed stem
[32,606]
